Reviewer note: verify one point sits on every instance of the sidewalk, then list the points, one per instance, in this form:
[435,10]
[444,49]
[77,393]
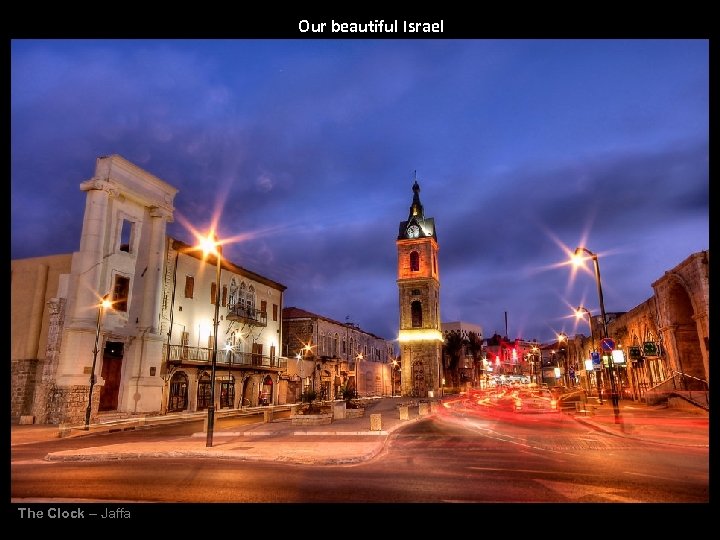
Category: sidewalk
[351,440]
[653,423]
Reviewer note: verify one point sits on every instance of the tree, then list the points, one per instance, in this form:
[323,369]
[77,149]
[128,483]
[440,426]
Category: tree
[454,347]
[474,348]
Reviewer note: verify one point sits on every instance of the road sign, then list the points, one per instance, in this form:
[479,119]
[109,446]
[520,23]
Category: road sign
[595,356]
[650,348]
[607,344]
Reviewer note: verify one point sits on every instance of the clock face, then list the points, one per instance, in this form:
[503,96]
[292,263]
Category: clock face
[413,231]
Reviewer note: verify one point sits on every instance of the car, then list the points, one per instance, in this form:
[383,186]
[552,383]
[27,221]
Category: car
[535,401]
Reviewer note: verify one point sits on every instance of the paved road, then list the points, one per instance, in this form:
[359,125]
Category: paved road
[349,440]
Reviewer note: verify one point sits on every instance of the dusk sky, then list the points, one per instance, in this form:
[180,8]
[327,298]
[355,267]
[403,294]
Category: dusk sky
[308,149]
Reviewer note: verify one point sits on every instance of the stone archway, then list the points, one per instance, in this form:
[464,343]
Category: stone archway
[682,299]
[687,342]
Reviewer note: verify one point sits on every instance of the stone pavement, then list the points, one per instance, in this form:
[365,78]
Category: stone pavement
[353,440]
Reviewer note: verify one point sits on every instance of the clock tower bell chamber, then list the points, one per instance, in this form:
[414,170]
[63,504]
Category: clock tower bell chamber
[418,281]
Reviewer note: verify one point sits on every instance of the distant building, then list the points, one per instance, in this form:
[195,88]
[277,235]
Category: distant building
[470,367]
[326,356]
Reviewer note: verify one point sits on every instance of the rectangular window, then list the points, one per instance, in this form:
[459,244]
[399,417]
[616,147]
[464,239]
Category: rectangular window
[224,296]
[213,292]
[275,312]
[120,293]
[189,286]
[257,354]
[185,340]
[263,307]
[126,230]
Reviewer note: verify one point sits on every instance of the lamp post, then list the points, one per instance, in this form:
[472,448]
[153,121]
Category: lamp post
[577,260]
[357,372]
[101,308]
[211,244]
[563,337]
[580,314]
[537,371]
[394,368]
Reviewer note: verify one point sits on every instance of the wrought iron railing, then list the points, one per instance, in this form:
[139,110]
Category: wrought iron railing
[238,312]
[179,354]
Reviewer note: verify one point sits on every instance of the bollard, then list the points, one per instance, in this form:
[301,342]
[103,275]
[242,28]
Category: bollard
[375,422]
[268,415]
[339,410]
[423,409]
[404,414]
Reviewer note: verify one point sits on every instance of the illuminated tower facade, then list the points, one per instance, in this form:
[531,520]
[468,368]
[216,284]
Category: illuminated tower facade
[418,281]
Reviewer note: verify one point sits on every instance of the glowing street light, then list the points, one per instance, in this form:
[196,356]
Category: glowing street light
[394,368]
[357,372]
[211,245]
[578,259]
[563,337]
[580,312]
[101,308]
[538,353]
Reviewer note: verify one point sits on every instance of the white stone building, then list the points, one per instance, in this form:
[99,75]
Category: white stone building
[152,349]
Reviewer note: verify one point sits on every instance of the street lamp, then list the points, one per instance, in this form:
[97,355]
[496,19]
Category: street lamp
[580,312]
[537,371]
[211,245]
[101,308]
[357,372]
[394,368]
[578,259]
[563,337]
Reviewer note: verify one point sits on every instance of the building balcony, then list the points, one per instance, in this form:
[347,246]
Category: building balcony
[245,315]
[179,355]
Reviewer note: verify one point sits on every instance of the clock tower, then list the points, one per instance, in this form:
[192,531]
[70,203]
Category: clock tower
[418,282]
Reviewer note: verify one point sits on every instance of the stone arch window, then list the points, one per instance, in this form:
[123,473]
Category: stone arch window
[416,314]
[250,300]
[335,342]
[233,296]
[414,261]
[242,296]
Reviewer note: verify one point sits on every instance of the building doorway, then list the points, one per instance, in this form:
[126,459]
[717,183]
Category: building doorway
[178,392]
[112,374]
[227,393]
[203,396]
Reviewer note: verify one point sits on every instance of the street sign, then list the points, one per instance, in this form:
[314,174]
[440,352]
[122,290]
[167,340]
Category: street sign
[595,356]
[607,344]
[649,348]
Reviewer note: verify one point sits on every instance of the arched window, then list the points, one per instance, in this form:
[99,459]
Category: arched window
[250,301]
[414,261]
[335,345]
[241,298]
[416,314]
[232,298]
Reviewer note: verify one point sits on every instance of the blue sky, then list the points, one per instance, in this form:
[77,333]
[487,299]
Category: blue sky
[307,150]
